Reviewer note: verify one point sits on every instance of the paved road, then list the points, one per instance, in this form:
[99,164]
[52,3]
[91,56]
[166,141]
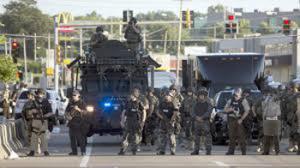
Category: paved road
[102,154]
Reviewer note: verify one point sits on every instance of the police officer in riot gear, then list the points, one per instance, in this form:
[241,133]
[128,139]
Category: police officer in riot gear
[167,114]
[237,109]
[41,111]
[151,119]
[133,119]
[98,37]
[78,127]
[201,120]
[133,35]
[186,115]
[27,114]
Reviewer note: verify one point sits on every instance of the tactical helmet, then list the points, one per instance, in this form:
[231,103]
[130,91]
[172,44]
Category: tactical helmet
[203,92]
[40,91]
[99,29]
[133,20]
[173,87]
[76,92]
[190,89]
[150,90]
[31,92]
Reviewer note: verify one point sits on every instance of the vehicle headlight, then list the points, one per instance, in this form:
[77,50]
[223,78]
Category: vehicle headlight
[90,108]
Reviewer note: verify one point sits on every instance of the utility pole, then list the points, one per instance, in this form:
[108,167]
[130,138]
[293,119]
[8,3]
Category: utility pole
[165,42]
[34,46]
[56,77]
[144,39]
[179,42]
[25,59]
[81,41]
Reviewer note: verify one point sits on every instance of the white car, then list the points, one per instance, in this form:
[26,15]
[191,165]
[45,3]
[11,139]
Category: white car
[57,100]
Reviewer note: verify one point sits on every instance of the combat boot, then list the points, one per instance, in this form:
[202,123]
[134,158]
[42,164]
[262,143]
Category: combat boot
[46,153]
[161,153]
[122,152]
[173,153]
[208,152]
[195,152]
[31,153]
[133,152]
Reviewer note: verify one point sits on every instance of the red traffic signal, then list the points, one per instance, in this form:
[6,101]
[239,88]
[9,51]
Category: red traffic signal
[230,17]
[286,21]
[15,45]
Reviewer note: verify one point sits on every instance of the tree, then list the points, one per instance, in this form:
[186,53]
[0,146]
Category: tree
[23,16]
[216,9]
[244,27]
[8,69]
[265,28]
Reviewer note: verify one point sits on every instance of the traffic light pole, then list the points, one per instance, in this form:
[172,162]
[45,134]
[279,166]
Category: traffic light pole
[179,43]
[56,82]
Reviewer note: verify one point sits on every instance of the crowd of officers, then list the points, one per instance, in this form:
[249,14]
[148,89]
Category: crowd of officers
[173,117]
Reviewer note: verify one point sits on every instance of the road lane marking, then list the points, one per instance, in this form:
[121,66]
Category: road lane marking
[86,158]
[221,164]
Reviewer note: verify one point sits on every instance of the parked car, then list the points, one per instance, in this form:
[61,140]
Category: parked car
[57,100]
[219,124]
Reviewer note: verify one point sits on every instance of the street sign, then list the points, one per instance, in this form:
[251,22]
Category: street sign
[2,39]
[67,61]
[66,29]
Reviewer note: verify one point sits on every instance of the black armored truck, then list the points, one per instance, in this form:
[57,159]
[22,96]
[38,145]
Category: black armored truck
[107,74]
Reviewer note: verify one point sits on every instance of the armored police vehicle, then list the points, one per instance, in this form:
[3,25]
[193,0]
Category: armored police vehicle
[108,72]
[218,71]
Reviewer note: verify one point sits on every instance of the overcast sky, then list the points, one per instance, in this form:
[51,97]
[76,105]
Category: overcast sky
[115,7]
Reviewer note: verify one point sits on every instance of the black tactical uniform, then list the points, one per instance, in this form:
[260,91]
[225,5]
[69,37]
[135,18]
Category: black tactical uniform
[98,37]
[78,126]
[151,119]
[167,127]
[131,134]
[201,116]
[133,35]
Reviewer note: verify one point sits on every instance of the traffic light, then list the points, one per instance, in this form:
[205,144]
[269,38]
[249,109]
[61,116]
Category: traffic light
[188,19]
[127,15]
[183,15]
[20,75]
[58,54]
[286,27]
[228,28]
[15,50]
[234,28]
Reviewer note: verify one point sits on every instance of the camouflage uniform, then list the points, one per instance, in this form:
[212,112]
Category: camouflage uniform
[167,127]
[186,116]
[259,118]
[151,120]
[133,35]
[131,133]
[248,122]
[291,108]
[202,109]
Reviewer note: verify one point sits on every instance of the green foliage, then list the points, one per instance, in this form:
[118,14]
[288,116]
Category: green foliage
[265,28]
[22,16]
[244,27]
[34,67]
[8,69]
[216,9]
